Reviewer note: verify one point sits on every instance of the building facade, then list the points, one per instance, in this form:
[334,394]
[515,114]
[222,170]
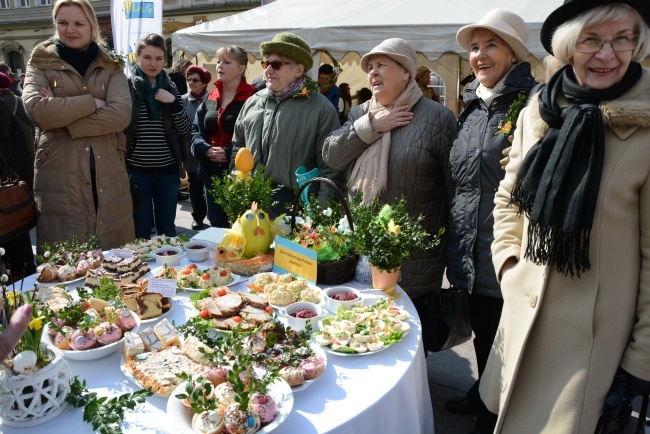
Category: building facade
[25,23]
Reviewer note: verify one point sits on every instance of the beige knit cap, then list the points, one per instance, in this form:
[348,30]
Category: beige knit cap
[397,49]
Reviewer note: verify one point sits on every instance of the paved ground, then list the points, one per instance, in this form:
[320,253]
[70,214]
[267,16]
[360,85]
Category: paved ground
[450,373]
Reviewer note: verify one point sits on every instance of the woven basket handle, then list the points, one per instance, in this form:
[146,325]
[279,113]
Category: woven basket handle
[296,200]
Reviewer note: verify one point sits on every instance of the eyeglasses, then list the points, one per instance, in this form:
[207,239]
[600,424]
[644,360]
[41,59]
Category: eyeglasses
[620,43]
[193,80]
[275,64]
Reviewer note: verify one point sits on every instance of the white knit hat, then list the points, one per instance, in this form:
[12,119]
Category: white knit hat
[508,25]
[397,49]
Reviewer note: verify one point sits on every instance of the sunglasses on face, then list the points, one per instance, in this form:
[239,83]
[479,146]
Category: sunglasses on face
[193,80]
[275,64]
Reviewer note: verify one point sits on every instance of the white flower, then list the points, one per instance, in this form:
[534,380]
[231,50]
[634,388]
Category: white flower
[327,212]
[300,221]
[4,278]
[2,251]
[46,254]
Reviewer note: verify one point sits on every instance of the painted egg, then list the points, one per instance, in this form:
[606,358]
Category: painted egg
[24,361]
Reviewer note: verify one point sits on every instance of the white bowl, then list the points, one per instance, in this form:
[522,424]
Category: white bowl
[169,260]
[197,251]
[301,323]
[333,304]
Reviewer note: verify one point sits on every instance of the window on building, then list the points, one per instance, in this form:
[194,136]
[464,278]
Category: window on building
[5,4]
[23,3]
[45,2]
[438,87]
[171,2]
[201,2]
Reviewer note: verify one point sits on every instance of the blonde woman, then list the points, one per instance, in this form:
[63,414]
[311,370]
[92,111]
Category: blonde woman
[79,99]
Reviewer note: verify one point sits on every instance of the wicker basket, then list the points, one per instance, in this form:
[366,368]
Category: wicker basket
[28,400]
[330,272]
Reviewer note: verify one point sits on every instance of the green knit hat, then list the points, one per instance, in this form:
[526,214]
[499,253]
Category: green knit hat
[290,45]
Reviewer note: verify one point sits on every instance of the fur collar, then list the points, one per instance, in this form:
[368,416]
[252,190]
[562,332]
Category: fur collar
[45,56]
[623,115]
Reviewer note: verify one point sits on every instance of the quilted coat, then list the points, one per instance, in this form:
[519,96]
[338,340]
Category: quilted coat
[561,340]
[70,127]
[418,169]
[476,172]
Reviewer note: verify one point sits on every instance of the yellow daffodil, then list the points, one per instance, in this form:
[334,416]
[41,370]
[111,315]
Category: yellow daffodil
[11,298]
[393,228]
[36,323]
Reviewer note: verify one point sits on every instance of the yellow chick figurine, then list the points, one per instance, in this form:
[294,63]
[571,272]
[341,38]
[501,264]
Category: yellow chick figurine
[233,243]
[257,227]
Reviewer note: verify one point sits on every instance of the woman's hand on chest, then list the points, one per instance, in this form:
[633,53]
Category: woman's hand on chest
[164,96]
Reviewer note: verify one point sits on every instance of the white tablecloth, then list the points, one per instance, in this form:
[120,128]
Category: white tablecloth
[385,392]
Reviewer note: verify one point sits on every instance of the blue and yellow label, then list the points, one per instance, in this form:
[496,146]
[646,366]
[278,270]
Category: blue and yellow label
[293,258]
[135,10]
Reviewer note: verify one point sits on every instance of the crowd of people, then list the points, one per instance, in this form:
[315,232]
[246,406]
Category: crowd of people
[542,188]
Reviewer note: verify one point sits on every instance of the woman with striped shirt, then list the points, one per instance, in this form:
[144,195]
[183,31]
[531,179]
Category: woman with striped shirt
[155,139]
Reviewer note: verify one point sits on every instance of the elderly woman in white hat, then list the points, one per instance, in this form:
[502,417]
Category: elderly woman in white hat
[397,144]
[497,49]
[572,229]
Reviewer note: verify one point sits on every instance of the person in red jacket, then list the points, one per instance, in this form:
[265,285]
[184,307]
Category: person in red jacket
[214,123]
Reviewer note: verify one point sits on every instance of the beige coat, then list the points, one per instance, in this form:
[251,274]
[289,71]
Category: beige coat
[560,339]
[71,126]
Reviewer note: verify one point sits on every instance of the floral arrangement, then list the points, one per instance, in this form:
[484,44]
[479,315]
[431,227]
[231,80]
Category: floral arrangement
[71,252]
[309,86]
[391,236]
[29,347]
[512,114]
[118,58]
[323,229]
[235,192]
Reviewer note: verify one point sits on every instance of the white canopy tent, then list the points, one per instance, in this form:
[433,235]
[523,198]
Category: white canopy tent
[343,26]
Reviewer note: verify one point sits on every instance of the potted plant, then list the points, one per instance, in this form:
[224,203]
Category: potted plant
[35,378]
[388,237]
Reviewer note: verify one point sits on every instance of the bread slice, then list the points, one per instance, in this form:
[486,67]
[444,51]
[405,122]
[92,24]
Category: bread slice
[191,348]
[149,305]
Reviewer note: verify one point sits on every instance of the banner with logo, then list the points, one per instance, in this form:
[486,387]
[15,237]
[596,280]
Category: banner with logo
[131,20]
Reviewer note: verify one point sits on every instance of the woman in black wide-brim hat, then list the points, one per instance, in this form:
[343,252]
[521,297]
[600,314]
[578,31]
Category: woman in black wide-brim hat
[572,229]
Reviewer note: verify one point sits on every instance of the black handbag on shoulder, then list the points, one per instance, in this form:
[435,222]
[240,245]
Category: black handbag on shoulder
[445,322]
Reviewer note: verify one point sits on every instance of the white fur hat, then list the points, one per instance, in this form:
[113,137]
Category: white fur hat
[397,49]
[508,25]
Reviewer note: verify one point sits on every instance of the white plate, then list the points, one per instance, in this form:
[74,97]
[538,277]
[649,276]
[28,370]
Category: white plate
[156,319]
[318,352]
[181,415]
[95,353]
[69,282]
[367,353]
[236,278]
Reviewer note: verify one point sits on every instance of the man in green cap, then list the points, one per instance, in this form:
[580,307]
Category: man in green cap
[286,124]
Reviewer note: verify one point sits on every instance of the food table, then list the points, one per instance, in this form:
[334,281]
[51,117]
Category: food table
[384,392]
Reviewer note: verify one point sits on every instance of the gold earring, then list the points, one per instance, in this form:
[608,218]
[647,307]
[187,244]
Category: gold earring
[514,59]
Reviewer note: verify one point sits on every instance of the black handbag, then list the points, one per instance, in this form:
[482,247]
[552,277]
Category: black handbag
[445,321]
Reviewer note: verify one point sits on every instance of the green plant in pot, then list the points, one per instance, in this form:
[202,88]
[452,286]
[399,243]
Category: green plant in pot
[388,237]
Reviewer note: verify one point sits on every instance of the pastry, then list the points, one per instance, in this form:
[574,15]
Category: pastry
[158,370]
[312,367]
[293,376]
[215,374]
[151,341]
[149,305]
[80,340]
[107,333]
[264,406]
[97,304]
[61,339]
[66,273]
[125,319]
[132,345]
[241,422]
[167,333]
[224,394]
[46,273]
[82,267]
[191,348]
[208,422]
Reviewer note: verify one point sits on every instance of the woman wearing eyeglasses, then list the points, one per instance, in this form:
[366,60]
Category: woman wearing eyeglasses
[572,229]
[214,123]
[197,81]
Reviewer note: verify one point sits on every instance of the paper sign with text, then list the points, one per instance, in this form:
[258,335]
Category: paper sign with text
[123,253]
[166,287]
[293,258]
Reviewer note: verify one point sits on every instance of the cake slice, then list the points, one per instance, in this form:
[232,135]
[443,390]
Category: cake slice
[151,340]
[167,333]
[132,345]
[191,348]
[149,305]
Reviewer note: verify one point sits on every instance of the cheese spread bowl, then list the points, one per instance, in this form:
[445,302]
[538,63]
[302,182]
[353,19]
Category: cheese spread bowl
[332,295]
[197,251]
[168,255]
[299,322]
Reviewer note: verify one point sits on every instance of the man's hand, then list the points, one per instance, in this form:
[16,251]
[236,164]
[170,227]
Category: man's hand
[216,154]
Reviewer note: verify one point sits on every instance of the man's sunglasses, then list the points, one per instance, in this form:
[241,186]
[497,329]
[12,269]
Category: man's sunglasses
[193,80]
[275,64]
